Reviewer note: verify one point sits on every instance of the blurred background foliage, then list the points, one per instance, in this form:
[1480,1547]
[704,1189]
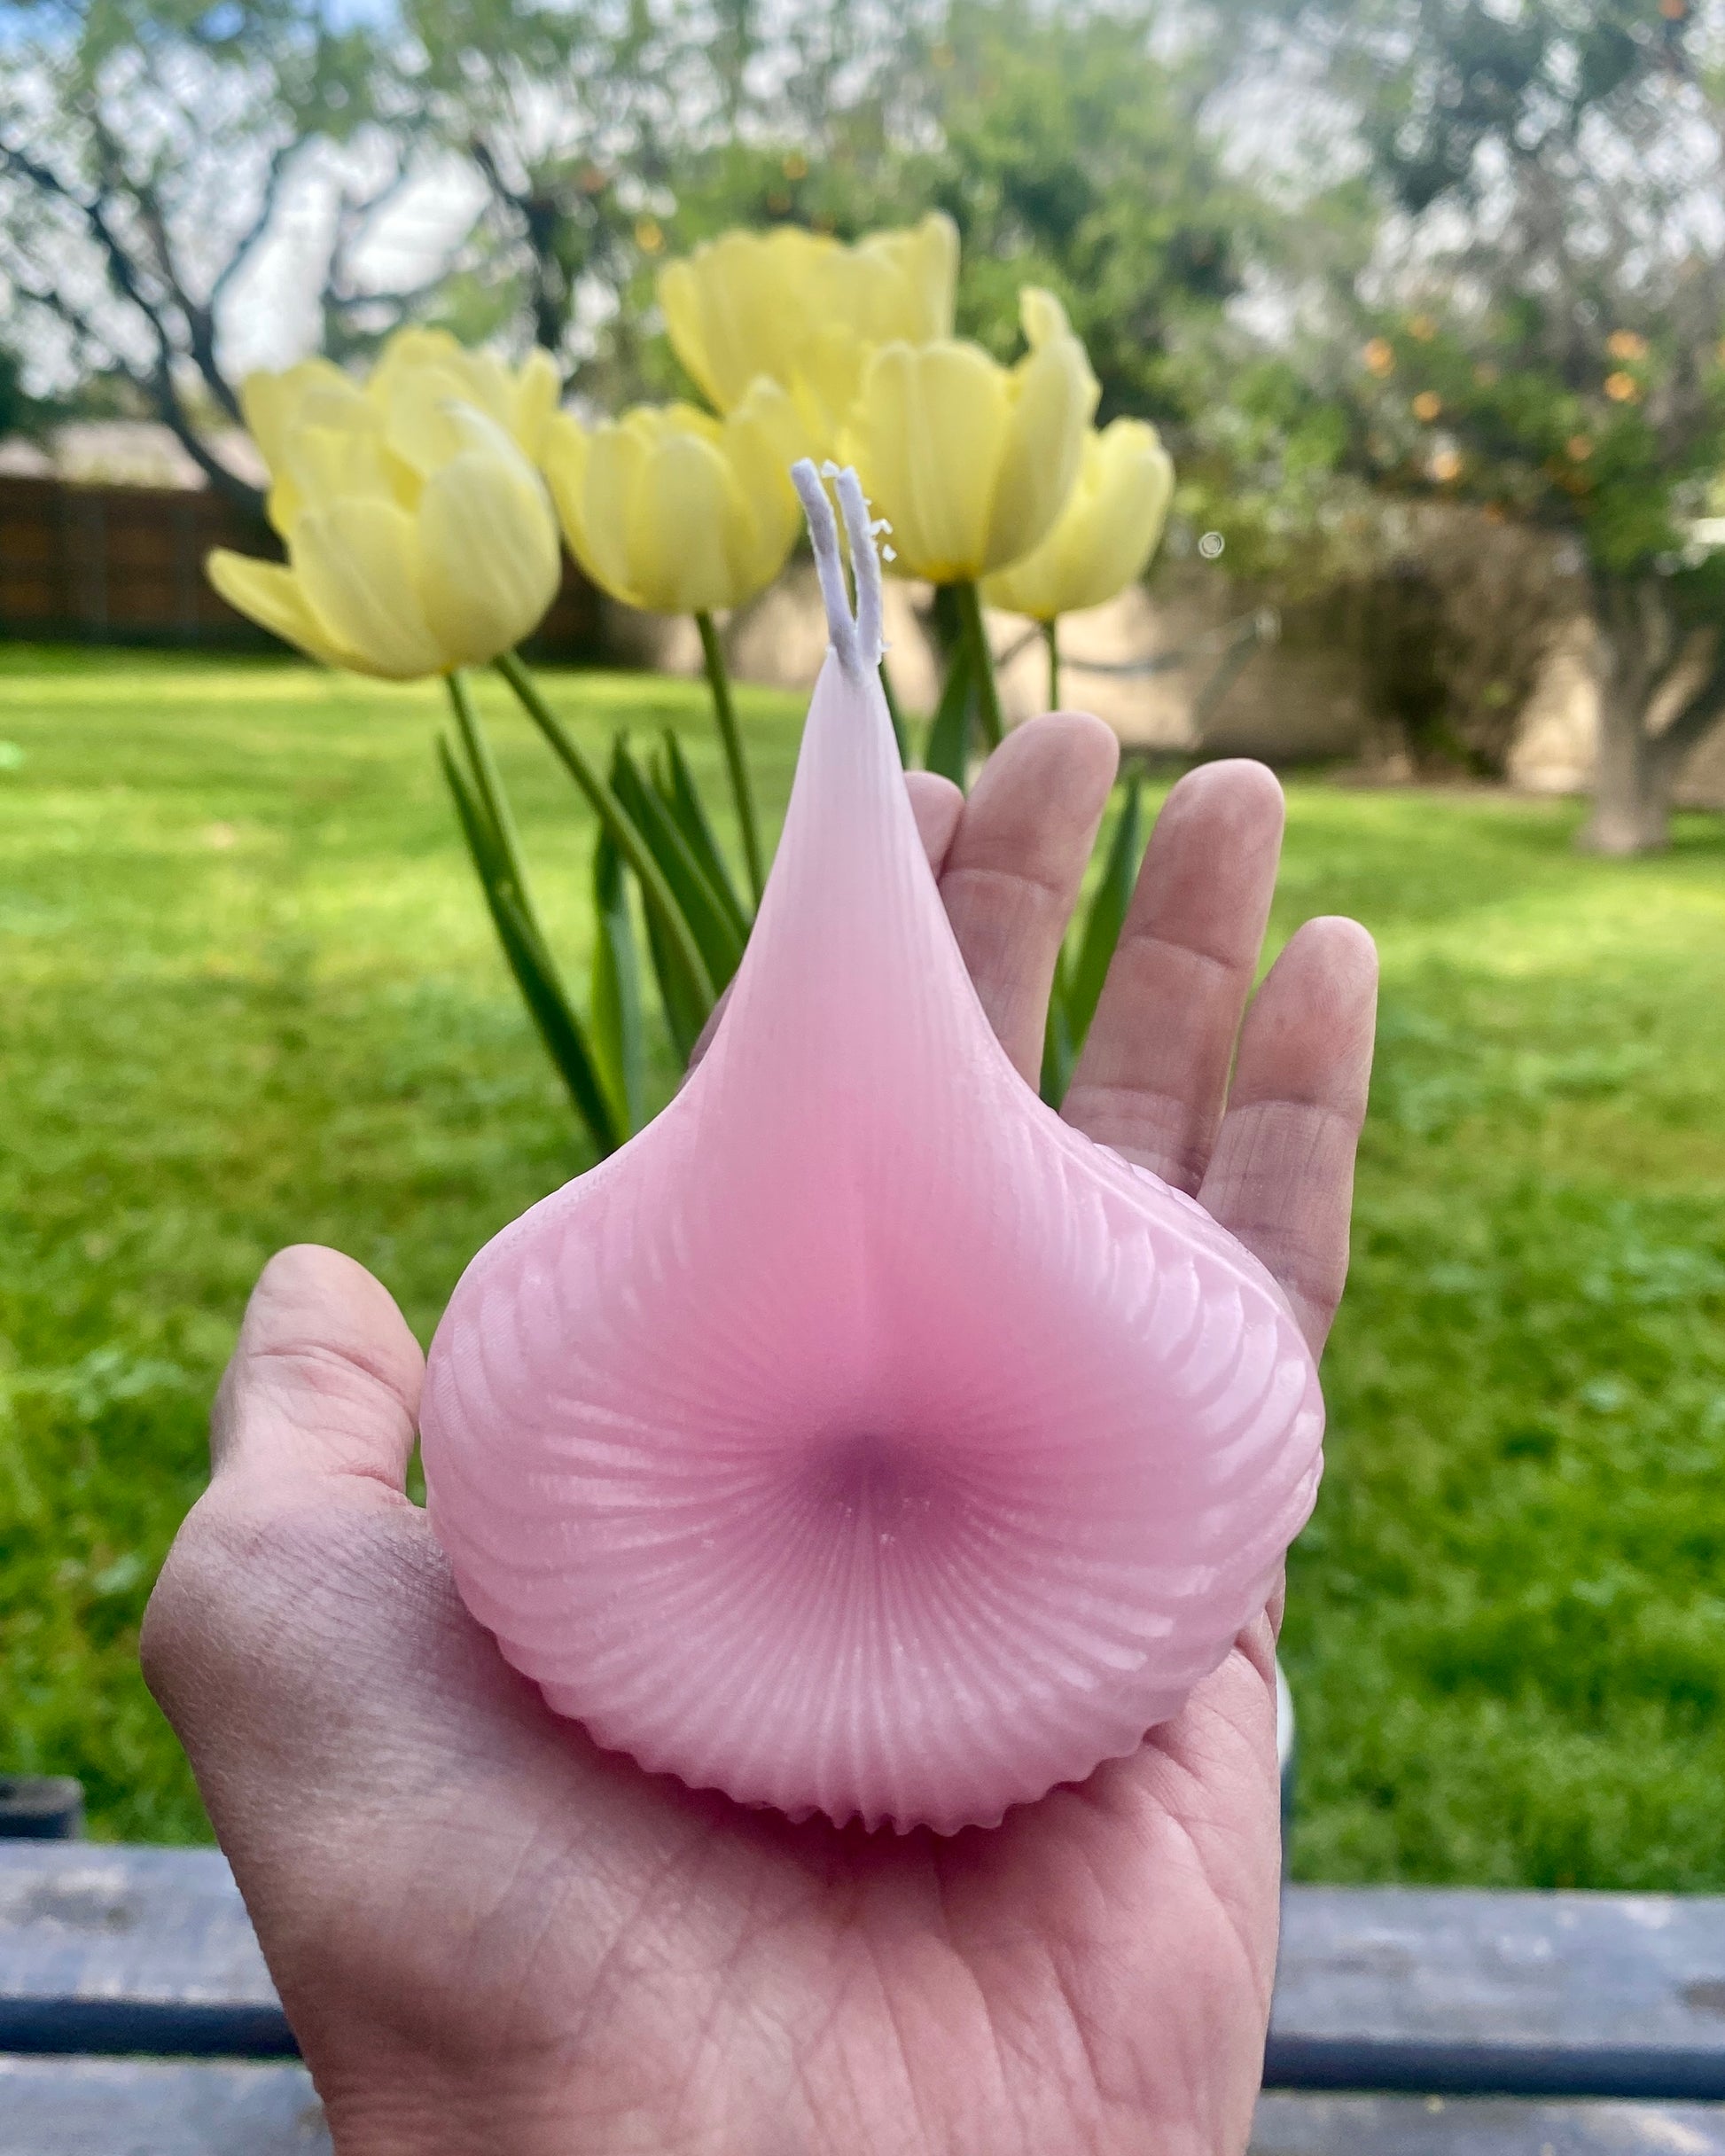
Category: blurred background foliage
[1341,251]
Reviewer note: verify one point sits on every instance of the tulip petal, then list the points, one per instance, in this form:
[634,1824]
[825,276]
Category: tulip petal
[681,302]
[488,559]
[538,389]
[805,310]
[321,464]
[590,475]
[272,402]
[930,264]
[672,510]
[1103,536]
[825,382]
[908,281]
[277,405]
[763,438]
[357,563]
[1054,393]
[422,369]
[737,308]
[1042,317]
[1128,505]
[688,528]
[411,352]
[418,424]
[927,435]
[270,595]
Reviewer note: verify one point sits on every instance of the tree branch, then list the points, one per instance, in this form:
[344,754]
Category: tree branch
[90,340]
[158,384]
[539,216]
[338,298]
[240,491]
[122,273]
[198,317]
[483,156]
[1699,714]
[246,245]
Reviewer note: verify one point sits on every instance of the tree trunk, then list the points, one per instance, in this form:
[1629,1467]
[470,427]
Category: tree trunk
[1632,781]
[1641,650]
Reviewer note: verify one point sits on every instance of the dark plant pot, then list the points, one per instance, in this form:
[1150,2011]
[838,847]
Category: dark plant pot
[41,1808]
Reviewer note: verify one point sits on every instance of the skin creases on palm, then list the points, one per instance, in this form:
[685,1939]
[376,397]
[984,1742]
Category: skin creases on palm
[861,1437]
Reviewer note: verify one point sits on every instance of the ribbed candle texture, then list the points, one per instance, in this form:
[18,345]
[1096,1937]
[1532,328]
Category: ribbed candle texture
[861,1437]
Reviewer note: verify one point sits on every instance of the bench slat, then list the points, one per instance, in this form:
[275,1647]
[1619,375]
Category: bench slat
[1308,2125]
[130,1949]
[114,1949]
[1526,1994]
[156,2107]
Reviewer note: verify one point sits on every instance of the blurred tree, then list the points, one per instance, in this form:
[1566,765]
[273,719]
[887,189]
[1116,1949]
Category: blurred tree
[1073,153]
[1537,327]
[1456,612]
[148,152]
[569,111]
[1070,146]
[17,412]
[609,133]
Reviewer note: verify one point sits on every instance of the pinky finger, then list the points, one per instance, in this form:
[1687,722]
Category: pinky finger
[1281,1178]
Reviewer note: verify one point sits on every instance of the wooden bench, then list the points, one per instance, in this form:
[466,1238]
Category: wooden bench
[137,2016]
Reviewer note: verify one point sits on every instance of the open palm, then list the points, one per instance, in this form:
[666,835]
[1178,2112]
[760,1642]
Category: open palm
[491,1936]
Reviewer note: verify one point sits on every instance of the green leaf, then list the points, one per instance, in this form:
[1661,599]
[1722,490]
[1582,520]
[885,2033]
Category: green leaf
[619,1036]
[896,716]
[718,940]
[677,790]
[1102,923]
[1058,1054]
[686,1005]
[664,915]
[684,1013]
[730,739]
[531,963]
[950,730]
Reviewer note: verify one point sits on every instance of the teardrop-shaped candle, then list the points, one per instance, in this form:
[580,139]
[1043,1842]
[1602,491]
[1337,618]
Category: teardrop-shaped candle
[861,1437]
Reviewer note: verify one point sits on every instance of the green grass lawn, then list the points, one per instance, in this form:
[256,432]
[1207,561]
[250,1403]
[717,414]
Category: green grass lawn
[248,994]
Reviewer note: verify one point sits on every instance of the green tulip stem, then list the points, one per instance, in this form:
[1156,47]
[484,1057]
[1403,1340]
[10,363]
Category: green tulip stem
[1052,636]
[982,662]
[490,781]
[725,712]
[612,816]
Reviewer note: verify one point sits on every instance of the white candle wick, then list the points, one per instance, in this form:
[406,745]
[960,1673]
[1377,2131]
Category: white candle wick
[857,638]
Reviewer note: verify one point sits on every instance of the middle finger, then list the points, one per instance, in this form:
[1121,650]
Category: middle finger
[1154,1070]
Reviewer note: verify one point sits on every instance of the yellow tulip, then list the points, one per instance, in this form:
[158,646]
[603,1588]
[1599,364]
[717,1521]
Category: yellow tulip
[419,536]
[673,511]
[968,460]
[425,371]
[806,310]
[1105,533]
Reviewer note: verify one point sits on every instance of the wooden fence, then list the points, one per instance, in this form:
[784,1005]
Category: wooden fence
[125,565]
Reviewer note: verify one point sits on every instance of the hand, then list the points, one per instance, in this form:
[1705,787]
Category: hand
[494,1938]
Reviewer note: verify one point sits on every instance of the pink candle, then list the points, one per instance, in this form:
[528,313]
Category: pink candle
[861,1437]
